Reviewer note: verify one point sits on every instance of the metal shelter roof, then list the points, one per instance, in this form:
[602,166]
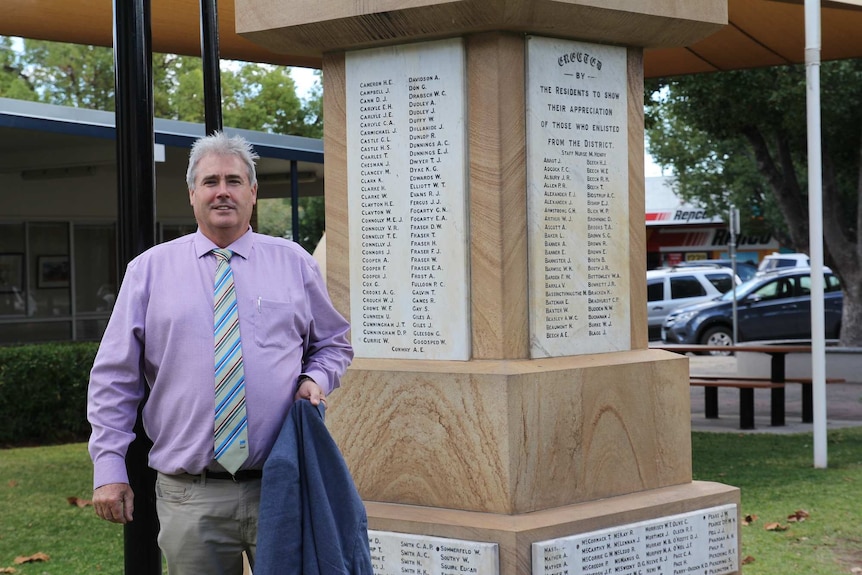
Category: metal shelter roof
[759,33]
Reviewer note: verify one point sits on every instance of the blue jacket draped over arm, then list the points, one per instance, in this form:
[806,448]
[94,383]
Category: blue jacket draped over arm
[312,520]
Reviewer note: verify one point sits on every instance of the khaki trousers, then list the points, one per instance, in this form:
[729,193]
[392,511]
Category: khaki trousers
[205,524]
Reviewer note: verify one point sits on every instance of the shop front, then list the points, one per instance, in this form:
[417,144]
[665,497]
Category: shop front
[680,232]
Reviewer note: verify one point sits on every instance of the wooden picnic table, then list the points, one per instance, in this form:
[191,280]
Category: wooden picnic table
[778,354]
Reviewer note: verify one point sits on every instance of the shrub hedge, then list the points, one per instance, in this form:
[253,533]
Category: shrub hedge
[43,392]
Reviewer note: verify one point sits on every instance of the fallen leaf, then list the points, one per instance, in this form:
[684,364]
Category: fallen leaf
[12,483]
[775,526]
[747,559]
[79,502]
[8,570]
[34,558]
[749,519]
[798,515]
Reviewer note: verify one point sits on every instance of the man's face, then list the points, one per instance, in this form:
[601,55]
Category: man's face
[222,198]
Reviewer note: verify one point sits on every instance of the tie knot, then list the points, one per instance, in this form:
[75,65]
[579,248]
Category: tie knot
[223,254]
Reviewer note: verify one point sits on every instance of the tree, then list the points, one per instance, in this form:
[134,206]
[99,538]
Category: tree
[274,219]
[254,97]
[13,83]
[740,138]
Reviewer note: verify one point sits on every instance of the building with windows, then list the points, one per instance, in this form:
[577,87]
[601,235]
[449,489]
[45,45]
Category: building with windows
[681,232]
[58,189]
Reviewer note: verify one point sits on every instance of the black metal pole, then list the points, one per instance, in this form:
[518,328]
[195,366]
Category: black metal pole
[136,232]
[210,59]
[294,200]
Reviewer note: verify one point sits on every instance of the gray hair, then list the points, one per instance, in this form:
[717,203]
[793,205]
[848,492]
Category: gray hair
[220,144]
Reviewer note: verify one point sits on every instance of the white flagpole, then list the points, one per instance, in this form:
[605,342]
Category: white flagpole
[815,226]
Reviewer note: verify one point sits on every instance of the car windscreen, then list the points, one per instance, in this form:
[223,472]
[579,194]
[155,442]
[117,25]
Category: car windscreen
[742,289]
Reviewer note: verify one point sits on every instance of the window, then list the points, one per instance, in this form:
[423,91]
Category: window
[13,279]
[832,283]
[49,268]
[685,286]
[722,282]
[775,289]
[95,268]
[57,280]
[655,291]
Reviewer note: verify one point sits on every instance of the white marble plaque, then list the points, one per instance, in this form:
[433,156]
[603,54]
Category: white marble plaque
[408,554]
[407,198]
[703,542]
[577,198]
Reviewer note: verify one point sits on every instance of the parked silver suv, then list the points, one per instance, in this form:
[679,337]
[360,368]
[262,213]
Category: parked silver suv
[670,288]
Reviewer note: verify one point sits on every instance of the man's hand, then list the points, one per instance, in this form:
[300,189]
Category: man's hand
[309,390]
[114,502]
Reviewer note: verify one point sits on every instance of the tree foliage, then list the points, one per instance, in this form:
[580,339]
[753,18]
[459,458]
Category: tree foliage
[274,218]
[740,138]
[254,97]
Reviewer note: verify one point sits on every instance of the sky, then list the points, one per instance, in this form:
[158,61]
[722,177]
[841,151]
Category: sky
[304,79]
[651,169]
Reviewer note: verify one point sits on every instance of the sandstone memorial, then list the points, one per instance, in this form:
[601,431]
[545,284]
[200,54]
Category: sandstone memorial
[485,235]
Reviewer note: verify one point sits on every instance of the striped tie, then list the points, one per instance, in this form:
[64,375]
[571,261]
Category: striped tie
[231,423]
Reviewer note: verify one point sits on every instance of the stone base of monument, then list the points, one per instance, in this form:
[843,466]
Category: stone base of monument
[582,459]
[688,528]
[514,436]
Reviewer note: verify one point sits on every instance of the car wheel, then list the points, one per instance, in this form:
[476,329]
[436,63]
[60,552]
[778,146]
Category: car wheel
[718,335]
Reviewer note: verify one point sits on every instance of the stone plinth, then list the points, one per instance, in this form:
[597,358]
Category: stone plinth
[511,437]
[515,534]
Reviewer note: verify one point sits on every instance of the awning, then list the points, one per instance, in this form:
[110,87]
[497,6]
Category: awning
[759,33]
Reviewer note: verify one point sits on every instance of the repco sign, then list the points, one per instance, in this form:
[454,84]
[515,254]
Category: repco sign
[722,238]
[689,215]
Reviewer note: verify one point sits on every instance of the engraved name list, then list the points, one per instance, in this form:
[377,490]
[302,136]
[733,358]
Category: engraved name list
[406,195]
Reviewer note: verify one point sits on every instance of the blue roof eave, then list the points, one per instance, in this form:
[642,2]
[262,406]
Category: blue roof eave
[36,116]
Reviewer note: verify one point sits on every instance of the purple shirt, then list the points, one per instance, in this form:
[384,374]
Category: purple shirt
[161,334]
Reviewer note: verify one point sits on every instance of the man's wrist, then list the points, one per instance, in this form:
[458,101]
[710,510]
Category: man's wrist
[302,378]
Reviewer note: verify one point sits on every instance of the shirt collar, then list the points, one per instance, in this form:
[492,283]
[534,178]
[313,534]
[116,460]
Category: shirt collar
[241,247]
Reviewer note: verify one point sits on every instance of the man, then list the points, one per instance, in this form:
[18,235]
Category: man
[217,398]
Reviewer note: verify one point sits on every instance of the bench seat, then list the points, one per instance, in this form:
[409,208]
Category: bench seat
[746,387]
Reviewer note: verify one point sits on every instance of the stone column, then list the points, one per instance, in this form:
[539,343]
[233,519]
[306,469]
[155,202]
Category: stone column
[485,235]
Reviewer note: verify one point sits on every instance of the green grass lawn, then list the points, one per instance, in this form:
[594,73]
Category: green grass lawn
[774,472]
[35,516]
[776,476]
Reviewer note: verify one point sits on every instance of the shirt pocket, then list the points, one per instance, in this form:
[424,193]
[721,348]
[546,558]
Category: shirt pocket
[275,324]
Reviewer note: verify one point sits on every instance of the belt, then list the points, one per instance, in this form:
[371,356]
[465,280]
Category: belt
[241,475]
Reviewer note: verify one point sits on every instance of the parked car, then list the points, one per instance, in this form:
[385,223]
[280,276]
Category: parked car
[668,289]
[777,260]
[773,306]
[744,269]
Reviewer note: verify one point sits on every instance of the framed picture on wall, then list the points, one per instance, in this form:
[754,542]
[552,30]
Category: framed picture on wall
[11,273]
[53,272]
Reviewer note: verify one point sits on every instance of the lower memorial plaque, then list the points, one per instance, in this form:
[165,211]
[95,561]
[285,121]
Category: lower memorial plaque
[402,553]
[703,542]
